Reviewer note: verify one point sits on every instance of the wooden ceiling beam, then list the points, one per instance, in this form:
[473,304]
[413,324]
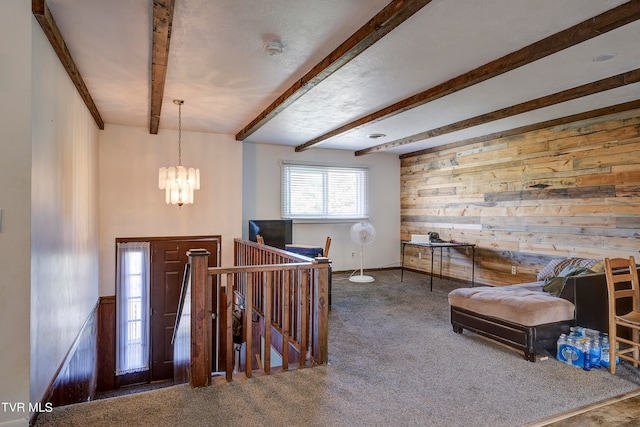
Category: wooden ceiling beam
[593,27]
[394,14]
[162,24]
[592,88]
[618,108]
[44,17]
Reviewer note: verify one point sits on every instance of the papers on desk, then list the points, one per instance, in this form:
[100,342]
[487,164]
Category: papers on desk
[419,238]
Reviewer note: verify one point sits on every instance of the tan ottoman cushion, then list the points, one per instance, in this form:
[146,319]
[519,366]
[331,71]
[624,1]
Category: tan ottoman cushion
[525,304]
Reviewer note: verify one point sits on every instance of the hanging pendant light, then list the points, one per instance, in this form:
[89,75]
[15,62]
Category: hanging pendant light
[179,182]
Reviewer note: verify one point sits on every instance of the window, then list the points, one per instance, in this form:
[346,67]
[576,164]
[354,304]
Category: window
[329,192]
[132,307]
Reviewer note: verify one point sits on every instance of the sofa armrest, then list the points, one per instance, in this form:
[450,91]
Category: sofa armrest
[588,292]
[590,280]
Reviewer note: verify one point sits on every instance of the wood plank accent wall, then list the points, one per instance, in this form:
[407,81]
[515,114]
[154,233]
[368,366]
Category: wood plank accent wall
[571,190]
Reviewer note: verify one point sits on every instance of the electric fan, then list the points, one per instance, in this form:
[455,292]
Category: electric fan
[362,233]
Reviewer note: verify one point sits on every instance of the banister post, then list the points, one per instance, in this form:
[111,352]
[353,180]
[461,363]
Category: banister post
[321,310]
[200,318]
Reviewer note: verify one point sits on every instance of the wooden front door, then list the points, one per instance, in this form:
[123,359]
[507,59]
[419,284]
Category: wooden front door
[168,258]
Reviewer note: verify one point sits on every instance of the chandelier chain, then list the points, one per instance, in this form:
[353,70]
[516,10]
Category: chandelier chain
[180,134]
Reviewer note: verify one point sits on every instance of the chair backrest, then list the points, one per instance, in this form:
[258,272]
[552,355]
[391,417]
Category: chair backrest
[326,247]
[622,282]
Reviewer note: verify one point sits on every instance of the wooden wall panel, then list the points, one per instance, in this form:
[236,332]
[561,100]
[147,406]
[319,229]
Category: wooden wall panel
[568,190]
[106,343]
[75,380]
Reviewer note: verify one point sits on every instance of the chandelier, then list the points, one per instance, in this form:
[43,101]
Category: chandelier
[178,181]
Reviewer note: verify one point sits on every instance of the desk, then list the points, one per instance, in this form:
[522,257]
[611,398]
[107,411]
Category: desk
[433,247]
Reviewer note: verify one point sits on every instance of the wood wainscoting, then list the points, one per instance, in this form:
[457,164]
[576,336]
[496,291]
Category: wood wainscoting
[106,343]
[75,380]
[90,362]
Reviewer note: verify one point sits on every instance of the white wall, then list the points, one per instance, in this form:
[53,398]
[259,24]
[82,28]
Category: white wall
[131,205]
[261,200]
[64,214]
[48,235]
[15,203]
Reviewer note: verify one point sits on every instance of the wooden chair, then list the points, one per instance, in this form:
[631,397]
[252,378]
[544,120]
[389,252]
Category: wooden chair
[260,239]
[326,247]
[622,282]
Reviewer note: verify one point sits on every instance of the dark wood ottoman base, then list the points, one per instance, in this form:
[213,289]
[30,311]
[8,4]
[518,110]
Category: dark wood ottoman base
[529,339]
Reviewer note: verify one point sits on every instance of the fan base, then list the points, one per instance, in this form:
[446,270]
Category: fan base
[361,279]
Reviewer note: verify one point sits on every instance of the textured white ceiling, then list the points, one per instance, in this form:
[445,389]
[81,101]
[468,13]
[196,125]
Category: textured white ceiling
[217,64]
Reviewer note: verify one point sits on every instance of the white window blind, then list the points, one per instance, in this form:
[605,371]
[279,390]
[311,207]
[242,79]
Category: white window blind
[132,307]
[325,192]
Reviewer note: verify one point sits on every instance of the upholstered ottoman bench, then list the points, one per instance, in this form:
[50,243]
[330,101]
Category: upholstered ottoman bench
[522,316]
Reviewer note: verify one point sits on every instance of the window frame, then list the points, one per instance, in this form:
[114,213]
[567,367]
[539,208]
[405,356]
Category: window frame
[360,199]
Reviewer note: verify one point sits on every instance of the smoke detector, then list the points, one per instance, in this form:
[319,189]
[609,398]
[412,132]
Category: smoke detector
[274,48]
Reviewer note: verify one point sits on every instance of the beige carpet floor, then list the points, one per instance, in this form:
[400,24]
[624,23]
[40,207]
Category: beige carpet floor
[393,361]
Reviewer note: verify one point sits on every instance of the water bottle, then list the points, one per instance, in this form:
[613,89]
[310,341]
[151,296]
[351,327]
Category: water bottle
[569,352]
[586,351]
[576,330]
[562,341]
[579,331]
[591,333]
[577,358]
[606,337]
[595,353]
[565,350]
[604,351]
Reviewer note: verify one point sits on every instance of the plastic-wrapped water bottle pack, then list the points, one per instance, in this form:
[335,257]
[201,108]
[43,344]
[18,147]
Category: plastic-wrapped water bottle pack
[584,348]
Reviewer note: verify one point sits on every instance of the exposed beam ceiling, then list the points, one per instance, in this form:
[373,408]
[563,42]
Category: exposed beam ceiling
[572,36]
[162,23]
[385,21]
[545,101]
[426,73]
[628,106]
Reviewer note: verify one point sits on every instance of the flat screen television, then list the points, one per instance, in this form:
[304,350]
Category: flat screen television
[275,232]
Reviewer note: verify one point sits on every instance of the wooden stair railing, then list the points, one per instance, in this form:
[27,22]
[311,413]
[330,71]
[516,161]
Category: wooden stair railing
[181,338]
[288,292]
